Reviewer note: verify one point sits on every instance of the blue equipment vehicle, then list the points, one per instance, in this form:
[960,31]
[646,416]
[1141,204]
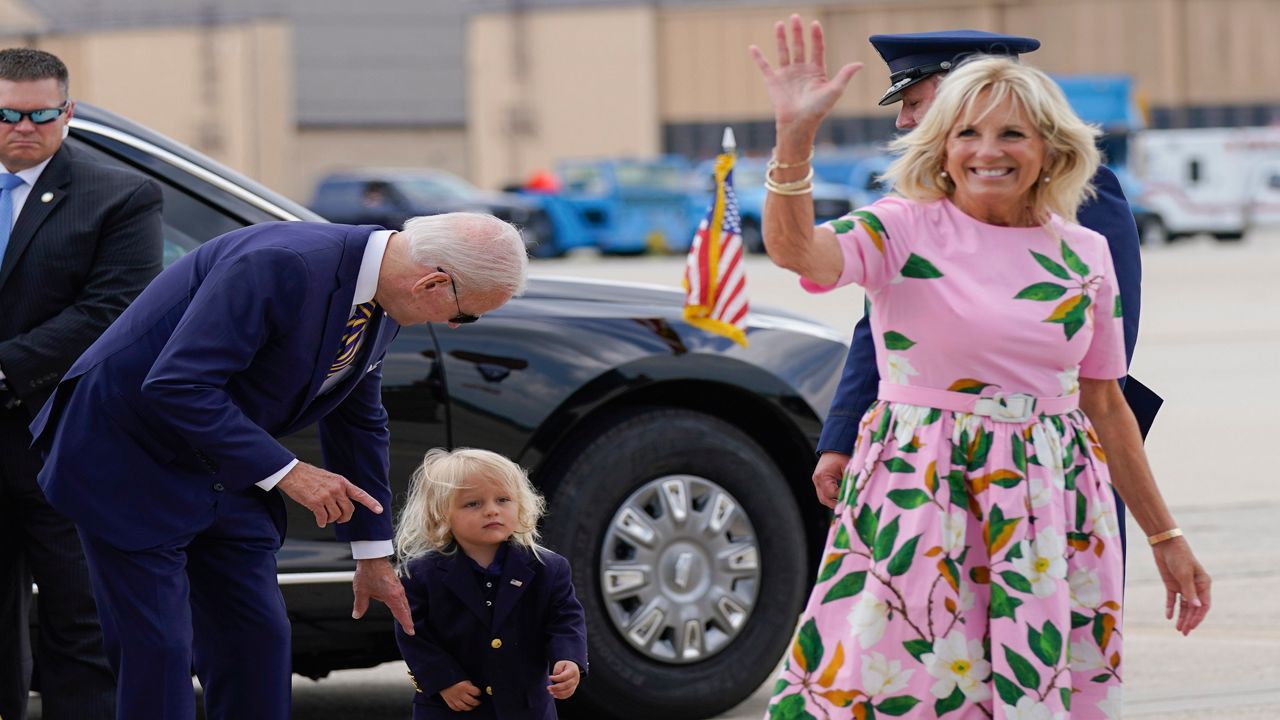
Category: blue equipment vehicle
[625,206]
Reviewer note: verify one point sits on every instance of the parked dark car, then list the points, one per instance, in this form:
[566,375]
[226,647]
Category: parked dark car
[676,462]
[388,197]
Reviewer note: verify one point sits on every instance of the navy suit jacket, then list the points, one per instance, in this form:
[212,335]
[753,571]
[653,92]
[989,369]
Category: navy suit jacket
[1107,214]
[537,621]
[183,396]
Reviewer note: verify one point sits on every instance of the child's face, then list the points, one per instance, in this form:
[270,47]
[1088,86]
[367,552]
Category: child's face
[483,516]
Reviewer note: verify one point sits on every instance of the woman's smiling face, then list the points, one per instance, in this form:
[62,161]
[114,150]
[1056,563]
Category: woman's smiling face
[994,159]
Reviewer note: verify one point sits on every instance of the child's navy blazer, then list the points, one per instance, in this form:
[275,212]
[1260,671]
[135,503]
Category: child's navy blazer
[537,621]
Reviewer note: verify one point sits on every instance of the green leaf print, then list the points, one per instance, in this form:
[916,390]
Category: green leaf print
[865,525]
[1023,670]
[1054,268]
[980,449]
[1015,580]
[810,645]
[950,702]
[959,491]
[832,566]
[897,341]
[781,685]
[1001,604]
[842,538]
[918,648]
[885,540]
[873,226]
[1008,691]
[1079,621]
[1019,452]
[919,268]
[934,416]
[1066,698]
[901,561]
[969,385]
[1014,553]
[1119,311]
[1071,314]
[908,499]
[842,226]
[1073,260]
[882,429]
[898,465]
[1104,677]
[847,586]
[1046,644]
[1043,291]
[790,708]
[896,706]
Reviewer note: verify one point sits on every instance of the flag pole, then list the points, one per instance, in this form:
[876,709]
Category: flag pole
[715,281]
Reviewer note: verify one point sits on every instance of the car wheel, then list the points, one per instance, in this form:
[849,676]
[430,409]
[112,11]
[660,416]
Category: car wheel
[752,237]
[1151,231]
[688,554]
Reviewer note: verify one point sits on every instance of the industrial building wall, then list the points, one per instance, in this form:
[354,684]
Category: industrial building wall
[225,90]
[323,150]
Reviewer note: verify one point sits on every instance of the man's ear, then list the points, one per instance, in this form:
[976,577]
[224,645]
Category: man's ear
[431,280]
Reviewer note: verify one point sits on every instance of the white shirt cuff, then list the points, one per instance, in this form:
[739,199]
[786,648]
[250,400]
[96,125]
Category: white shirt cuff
[370,549]
[276,477]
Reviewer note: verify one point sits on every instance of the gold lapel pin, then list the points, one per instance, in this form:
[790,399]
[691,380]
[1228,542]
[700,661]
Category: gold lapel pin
[47,197]
[517,583]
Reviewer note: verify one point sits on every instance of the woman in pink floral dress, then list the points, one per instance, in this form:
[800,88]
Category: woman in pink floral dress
[973,566]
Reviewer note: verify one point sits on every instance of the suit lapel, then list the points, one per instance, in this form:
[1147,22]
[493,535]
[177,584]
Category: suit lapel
[461,581]
[54,179]
[516,578]
[336,316]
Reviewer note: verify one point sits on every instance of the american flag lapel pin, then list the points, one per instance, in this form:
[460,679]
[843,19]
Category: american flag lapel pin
[47,197]
[517,583]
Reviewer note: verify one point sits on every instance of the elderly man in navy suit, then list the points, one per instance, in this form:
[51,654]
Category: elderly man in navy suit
[162,447]
[917,63]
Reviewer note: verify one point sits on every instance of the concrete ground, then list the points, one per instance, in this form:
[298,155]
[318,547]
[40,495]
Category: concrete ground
[1210,344]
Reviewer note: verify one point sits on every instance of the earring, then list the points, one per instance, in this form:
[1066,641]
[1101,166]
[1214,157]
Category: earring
[943,173]
[1046,179]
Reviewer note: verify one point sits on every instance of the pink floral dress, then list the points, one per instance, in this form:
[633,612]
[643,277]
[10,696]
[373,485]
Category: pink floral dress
[973,566]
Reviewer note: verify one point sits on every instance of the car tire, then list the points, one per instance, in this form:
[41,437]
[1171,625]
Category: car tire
[1152,231]
[635,449]
[752,236]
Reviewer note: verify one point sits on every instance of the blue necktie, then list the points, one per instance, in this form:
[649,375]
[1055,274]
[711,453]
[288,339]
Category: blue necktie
[7,183]
[354,335]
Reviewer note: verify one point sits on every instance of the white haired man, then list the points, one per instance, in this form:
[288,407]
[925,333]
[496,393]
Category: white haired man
[161,440]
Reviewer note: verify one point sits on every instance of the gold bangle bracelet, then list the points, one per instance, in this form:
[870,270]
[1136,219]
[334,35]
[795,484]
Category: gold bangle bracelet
[1166,535]
[776,190]
[769,182]
[773,161]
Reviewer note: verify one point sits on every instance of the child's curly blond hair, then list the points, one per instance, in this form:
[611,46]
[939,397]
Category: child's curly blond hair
[424,521]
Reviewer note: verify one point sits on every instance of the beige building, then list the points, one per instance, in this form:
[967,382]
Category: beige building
[577,81]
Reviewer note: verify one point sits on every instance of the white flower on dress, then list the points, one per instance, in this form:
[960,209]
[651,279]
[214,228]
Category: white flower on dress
[957,661]
[1070,381]
[1086,657]
[1111,703]
[1041,493]
[1049,452]
[966,597]
[1043,562]
[1103,519]
[954,524]
[881,676]
[906,419]
[868,619]
[900,370]
[1086,589]
[1028,708]
[965,422]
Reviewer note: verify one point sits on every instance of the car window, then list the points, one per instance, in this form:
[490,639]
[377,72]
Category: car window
[336,198]
[188,220]
[583,179]
[665,177]
[433,189]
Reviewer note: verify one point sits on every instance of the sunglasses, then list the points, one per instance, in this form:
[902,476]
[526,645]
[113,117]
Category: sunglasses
[461,318]
[9,116]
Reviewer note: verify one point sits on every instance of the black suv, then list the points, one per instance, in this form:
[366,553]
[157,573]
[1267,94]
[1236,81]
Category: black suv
[676,463]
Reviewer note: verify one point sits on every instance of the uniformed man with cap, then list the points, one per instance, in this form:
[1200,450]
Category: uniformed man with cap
[917,63]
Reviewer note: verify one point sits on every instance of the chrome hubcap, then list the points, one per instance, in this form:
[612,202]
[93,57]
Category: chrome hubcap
[680,569]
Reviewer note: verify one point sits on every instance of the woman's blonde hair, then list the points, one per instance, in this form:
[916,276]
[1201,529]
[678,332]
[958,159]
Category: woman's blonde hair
[424,521]
[1071,158]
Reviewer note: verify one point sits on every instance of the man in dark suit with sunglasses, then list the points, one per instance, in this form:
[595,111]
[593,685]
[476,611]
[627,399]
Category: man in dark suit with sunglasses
[79,241]
[162,444]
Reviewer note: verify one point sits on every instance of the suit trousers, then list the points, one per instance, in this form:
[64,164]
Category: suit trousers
[37,543]
[210,601]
